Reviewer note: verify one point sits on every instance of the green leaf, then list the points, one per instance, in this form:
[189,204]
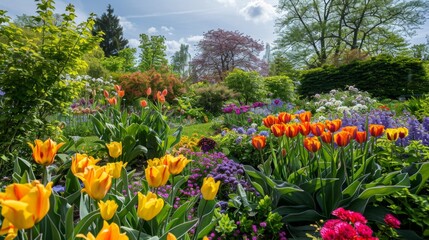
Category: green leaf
[85,223]
[68,223]
[181,229]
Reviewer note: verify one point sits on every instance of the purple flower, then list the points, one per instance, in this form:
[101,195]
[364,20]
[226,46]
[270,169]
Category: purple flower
[264,133]
[277,103]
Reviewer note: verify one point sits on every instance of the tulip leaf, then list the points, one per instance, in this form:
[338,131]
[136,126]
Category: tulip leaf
[54,234]
[181,229]
[20,166]
[85,223]
[69,223]
[419,178]
[83,210]
[380,191]
[133,233]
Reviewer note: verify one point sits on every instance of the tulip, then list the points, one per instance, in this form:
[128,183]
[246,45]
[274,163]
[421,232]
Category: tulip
[177,164]
[269,121]
[312,144]
[305,116]
[376,130]
[317,128]
[361,137]
[112,101]
[209,188]
[342,138]
[121,93]
[291,130]
[115,169]
[108,232]
[18,213]
[149,206]
[164,92]
[333,125]
[97,182]
[106,94]
[392,134]
[350,129]
[143,103]
[115,149]
[326,137]
[259,142]
[117,88]
[205,238]
[160,97]
[171,236]
[107,209]
[9,229]
[304,128]
[278,129]
[157,176]
[403,132]
[80,162]
[149,91]
[44,152]
[284,117]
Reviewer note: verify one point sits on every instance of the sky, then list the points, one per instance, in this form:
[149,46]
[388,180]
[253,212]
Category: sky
[180,21]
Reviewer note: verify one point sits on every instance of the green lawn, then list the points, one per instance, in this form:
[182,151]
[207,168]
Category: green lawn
[203,129]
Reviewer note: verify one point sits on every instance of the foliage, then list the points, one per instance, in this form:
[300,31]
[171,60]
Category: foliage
[418,106]
[382,77]
[113,40]
[135,84]
[221,51]
[313,31]
[152,55]
[94,67]
[180,61]
[280,87]
[281,66]
[32,70]
[211,97]
[247,84]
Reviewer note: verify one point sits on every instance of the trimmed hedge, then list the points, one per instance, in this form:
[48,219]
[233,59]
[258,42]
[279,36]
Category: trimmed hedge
[381,76]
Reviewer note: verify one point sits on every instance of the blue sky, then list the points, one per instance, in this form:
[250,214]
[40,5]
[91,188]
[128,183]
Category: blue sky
[180,21]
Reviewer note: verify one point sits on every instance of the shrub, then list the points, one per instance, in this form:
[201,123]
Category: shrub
[381,76]
[280,87]
[247,84]
[211,97]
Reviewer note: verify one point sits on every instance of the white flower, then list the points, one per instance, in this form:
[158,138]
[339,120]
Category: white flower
[321,109]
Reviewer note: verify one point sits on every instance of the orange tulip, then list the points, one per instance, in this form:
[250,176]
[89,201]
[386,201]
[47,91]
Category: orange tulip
[269,121]
[317,128]
[259,142]
[164,92]
[305,116]
[97,182]
[278,129]
[392,134]
[361,137]
[326,137]
[106,93]
[291,130]
[285,117]
[143,103]
[44,152]
[108,232]
[160,97]
[376,130]
[177,164]
[350,129]
[403,132]
[148,91]
[342,138]
[157,176]
[333,125]
[171,236]
[304,128]
[118,88]
[112,101]
[80,162]
[312,144]
[121,93]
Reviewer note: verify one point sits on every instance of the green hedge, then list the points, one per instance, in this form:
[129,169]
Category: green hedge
[382,77]
[280,87]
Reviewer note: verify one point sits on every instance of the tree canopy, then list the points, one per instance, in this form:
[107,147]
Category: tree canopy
[113,40]
[152,53]
[221,51]
[312,32]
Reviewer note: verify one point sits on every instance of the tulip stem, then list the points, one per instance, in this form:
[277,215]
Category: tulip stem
[199,219]
[45,177]
[140,226]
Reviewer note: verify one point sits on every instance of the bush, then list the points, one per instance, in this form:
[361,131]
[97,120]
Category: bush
[280,87]
[211,97]
[381,76]
[247,84]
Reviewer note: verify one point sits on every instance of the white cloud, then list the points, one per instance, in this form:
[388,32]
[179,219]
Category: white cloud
[228,3]
[126,25]
[152,30]
[168,30]
[133,43]
[172,46]
[258,11]
[194,38]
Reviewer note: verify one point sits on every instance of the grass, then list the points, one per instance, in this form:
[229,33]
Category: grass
[202,129]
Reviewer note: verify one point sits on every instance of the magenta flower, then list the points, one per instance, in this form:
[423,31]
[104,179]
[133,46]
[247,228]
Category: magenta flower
[392,221]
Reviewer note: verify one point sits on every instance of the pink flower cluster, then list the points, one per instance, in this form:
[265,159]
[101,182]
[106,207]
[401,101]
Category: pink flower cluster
[349,225]
[392,221]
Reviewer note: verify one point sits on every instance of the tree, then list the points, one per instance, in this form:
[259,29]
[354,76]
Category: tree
[113,40]
[247,84]
[312,31]
[180,60]
[152,52]
[222,51]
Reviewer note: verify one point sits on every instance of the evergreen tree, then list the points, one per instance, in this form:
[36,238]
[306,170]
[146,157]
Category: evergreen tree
[113,40]
[180,60]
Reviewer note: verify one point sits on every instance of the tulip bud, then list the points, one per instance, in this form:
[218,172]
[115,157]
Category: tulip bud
[121,93]
[107,209]
[149,91]
[164,92]
[106,94]
[112,101]
[117,88]
[143,103]
[115,169]
[115,149]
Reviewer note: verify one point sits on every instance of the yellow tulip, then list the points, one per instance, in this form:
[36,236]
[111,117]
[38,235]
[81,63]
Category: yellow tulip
[23,205]
[171,236]
[9,229]
[97,182]
[108,232]
[44,152]
[205,238]
[403,132]
[392,134]
[177,164]
[154,162]
[149,205]
[115,169]
[107,209]
[209,188]
[157,176]
[81,161]
[115,149]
